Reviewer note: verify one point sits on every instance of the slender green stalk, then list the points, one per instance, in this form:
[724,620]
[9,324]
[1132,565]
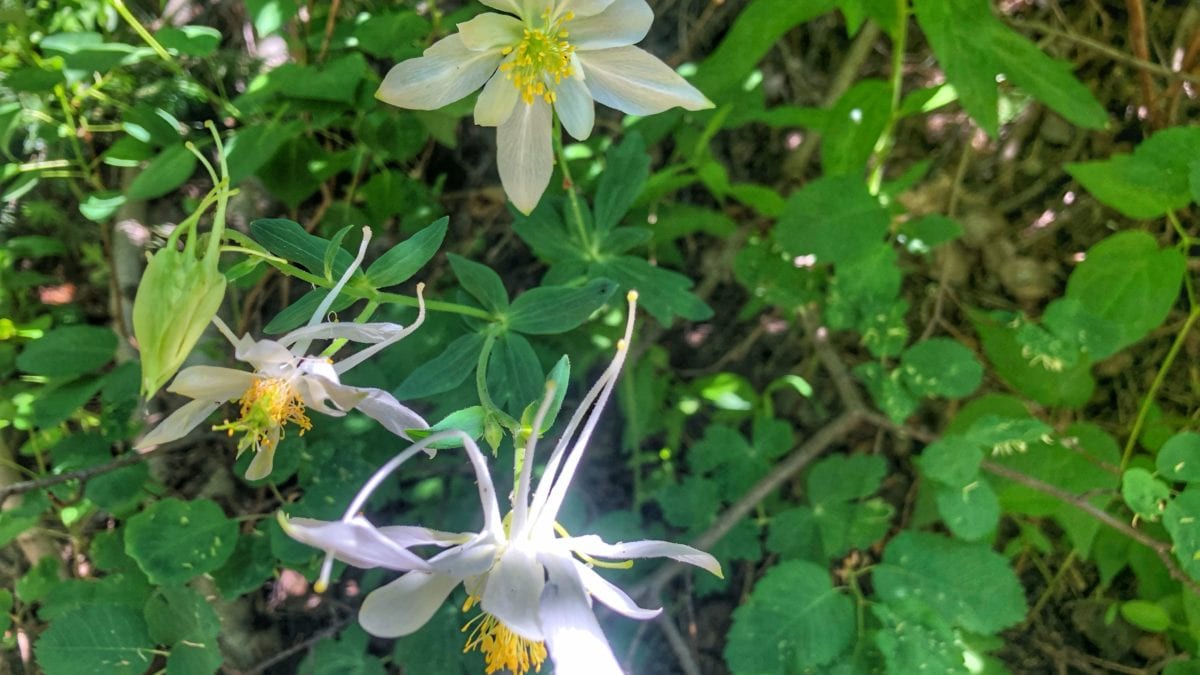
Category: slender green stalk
[572,196]
[1185,243]
[1159,378]
[884,145]
[73,138]
[485,398]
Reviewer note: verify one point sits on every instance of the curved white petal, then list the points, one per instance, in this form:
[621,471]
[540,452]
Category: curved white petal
[316,390]
[212,383]
[611,595]
[468,560]
[623,23]
[262,353]
[358,332]
[490,31]
[496,102]
[356,542]
[179,423]
[592,545]
[573,636]
[447,72]
[580,8]
[510,6]
[412,535]
[632,81]
[385,409]
[264,458]
[512,591]
[404,605]
[575,107]
[524,154]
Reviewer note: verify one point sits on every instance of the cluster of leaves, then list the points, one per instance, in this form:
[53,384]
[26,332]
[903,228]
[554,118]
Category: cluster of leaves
[847,574]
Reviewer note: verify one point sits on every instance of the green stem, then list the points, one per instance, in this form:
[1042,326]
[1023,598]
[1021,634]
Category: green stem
[1185,243]
[1159,378]
[73,138]
[576,209]
[884,145]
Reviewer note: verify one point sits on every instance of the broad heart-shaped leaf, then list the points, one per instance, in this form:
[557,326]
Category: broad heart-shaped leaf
[834,218]
[664,293]
[914,640]
[794,619]
[481,282]
[940,367]
[1182,520]
[445,371]
[626,172]
[68,351]
[1048,80]
[549,310]
[100,638]
[968,585]
[962,36]
[1179,457]
[855,123]
[1151,181]
[173,540]
[177,613]
[404,259]
[286,239]
[1129,281]
[1144,493]
[164,173]
[971,512]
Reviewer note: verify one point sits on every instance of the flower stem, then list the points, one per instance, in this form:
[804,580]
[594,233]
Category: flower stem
[1159,378]
[585,238]
[884,145]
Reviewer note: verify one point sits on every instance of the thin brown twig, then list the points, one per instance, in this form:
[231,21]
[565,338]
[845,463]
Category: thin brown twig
[1141,49]
[327,632]
[1108,50]
[683,650]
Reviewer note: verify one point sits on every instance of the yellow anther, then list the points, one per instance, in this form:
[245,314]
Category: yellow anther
[268,404]
[543,56]
[502,648]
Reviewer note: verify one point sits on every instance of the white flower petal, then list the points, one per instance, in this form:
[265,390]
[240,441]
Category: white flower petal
[371,333]
[632,81]
[179,423]
[447,72]
[575,107]
[573,636]
[356,542]
[490,31]
[262,353]
[412,535]
[264,458]
[581,8]
[385,409]
[623,23]
[404,605]
[496,102]
[462,562]
[513,588]
[212,383]
[510,6]
[524,154]
[647,548]
[316,390]
[612,596]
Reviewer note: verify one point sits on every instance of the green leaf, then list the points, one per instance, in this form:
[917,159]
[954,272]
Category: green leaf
[1068,386]
[1144,493]
[1149,616]
[247,568]
[626,172]
[286,239]
[1182,520]
[190,40]
[68,351]
[1151,181]
[173,541]
[470,421]
[1129,281]
[118,491]
[951,460]
[514,373]
[1179,458]
[794,619]
[404,259]
[188,658]
[177,613]
[971,512]
[922,235]
[100,639]
[793,534]
[855,124]
[843,478]
[250,148]
[300,311]
[550,310]
[968,585]
[335,81]
[940,367]
[690,503]
[164,173]
[98,207]
[6,605]
[298,168]
[962,36]
[663,293]
[1048,80]
[344,656]
[834,218]
[914,640]
[445,371]
[481,282]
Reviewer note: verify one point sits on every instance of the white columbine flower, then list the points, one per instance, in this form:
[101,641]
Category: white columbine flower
[560,53]
[285,383]
[534,583]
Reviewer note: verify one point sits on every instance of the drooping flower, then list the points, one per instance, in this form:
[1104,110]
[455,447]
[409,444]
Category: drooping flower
[286,382]
[532,582]
[542,54]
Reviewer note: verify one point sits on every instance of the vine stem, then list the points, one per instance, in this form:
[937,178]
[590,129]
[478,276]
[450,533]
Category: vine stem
[569,183]
[1159,378]
[884,145]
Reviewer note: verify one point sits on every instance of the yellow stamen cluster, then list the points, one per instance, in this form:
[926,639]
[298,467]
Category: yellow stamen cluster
[541,60]
[502,648]
[268,404]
